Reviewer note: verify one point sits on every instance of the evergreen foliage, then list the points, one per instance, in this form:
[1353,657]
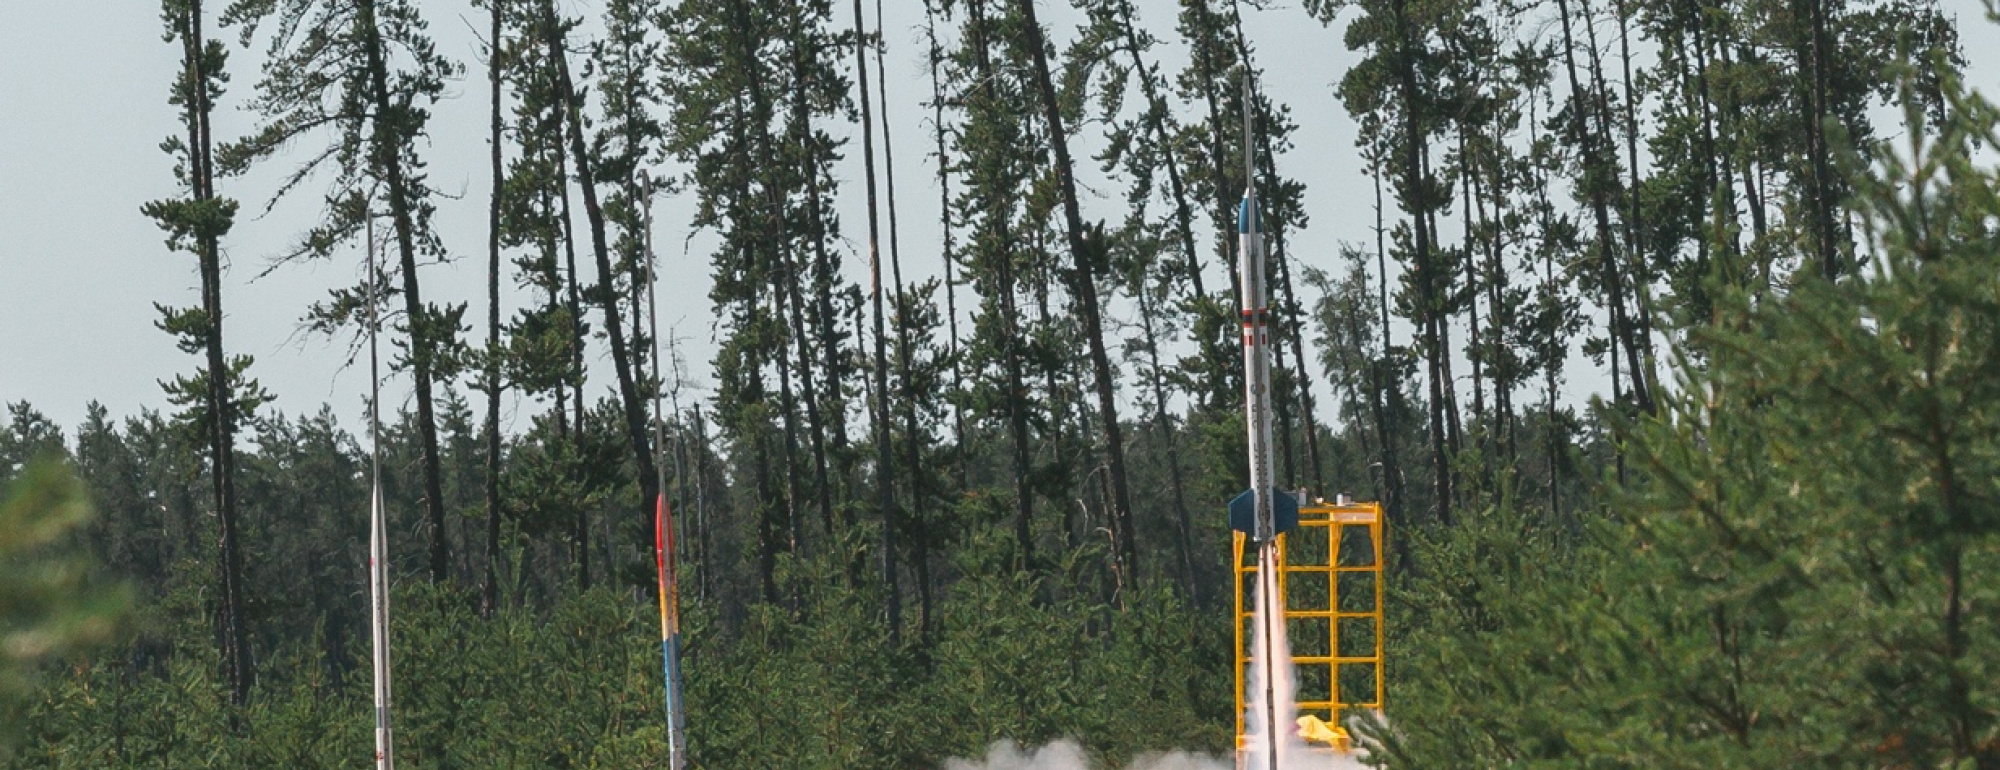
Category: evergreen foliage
[1806,577]
[921,515]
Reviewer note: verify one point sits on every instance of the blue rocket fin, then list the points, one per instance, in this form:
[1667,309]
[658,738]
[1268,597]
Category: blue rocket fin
[1243,512]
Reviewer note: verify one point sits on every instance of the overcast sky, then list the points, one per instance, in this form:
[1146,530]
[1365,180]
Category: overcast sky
[83,109]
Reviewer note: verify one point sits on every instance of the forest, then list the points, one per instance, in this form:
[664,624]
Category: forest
[921,516]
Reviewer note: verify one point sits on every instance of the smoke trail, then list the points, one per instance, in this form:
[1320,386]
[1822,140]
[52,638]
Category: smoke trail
[1292,751]
[1064,755]
[1270,626]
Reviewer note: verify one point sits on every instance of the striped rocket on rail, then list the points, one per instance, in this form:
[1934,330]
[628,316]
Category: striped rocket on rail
[1263,511]
[670,634]
[663,519]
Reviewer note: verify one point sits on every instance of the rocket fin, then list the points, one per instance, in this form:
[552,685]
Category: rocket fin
[1243,512]
[1286,509]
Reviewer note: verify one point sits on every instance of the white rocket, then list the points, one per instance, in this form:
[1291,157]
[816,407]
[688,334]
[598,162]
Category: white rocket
[378,529]
[1263,511]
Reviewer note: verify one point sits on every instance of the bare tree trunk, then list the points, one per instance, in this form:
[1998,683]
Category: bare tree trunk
[1086,250]
[621,358]
[489,593]
[222,451]
[388,160]
[936,57]
[913,444]
[1302,378]
[1635,232]
[573,375]
[1414,184]
[1385,415]
[1473,354]
[885,494]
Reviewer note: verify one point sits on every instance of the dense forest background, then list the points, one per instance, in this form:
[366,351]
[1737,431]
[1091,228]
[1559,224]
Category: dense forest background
[922,515]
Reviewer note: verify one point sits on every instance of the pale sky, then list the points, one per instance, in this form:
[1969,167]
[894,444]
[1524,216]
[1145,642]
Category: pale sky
[83,87]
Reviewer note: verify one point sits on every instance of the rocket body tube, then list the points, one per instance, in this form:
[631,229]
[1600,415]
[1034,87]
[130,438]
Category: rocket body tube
[1256,366]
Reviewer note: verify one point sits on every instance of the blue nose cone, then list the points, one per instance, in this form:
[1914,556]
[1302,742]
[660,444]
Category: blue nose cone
[1246,217]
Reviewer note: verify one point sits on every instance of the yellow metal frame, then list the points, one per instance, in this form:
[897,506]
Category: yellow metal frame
[1314,552]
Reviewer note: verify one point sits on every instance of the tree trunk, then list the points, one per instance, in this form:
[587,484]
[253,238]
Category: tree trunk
[1385,414]
[1010,335]
[1635,231]
[621,359]
[1156,123]
[1586,139]
[1615,268]
[1210,73]
[834,416]
[913,443]
[936,58]
[793,277]
[388,160]
[1085,251]
[222,450]
[885,494]
[1414,182]
[489,594]
[1302,377]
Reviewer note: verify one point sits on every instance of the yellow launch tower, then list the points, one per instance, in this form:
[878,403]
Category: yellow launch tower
[1330,575]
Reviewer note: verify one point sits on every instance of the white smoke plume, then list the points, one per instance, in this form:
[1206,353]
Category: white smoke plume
[1293,753]
[1270,652]
[1064,755]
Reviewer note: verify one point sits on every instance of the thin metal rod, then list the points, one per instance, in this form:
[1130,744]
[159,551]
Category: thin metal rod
[378,541]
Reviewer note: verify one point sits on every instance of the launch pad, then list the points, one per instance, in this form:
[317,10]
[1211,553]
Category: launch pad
[1329,572]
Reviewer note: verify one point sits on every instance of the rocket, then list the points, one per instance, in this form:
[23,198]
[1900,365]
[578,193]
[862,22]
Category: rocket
[1263,511]
[663,524]
[670,634]
[378,528]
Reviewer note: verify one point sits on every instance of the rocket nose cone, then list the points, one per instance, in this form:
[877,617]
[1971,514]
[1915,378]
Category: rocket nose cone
[1247,219]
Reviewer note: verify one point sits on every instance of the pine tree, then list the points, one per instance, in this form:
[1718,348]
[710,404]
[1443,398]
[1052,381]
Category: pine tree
[489,590]
[379,115]
[1087,254]
[1814,607]
[628,136]
[587,175]
[219,397]
[1390,82]
[1141,148]
[989,146]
